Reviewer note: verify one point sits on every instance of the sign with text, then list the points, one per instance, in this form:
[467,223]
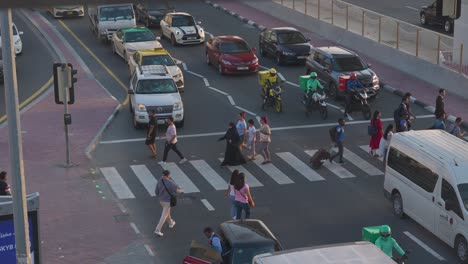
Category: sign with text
[48,3]
[7,239]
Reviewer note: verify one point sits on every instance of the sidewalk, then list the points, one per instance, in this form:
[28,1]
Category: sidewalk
[266,13]
[76,224]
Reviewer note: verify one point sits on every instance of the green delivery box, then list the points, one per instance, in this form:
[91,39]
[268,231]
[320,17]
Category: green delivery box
[303,82]
[370,233]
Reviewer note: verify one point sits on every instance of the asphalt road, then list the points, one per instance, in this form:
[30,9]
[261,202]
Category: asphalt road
[34,65]
[404,10]
[303,212]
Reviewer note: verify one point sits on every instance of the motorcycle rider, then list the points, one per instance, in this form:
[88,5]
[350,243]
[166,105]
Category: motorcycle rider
[351,88]
[312,85]
[271,81]
[386,242]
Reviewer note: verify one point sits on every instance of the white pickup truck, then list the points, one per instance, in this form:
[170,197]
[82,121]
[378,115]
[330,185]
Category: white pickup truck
[106,19]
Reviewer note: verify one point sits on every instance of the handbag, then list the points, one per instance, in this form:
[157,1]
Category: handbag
[173,201]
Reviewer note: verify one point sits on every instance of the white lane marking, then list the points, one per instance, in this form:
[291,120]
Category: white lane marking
[334,106]
[300,166]
[180,178]
[206,82]
[245,110]
[135,228]
[366,148]
[424,246]
[231,100]
[209,174]
[291,83]
[412,8]
[349,117]
[361,163]
[196,74]
[184,66]
[277,175]
[116,183]
[146,178]
[249,178]
[338,170]
[122,208]
[217,90]
[207,205]
[359,122]
[148,249]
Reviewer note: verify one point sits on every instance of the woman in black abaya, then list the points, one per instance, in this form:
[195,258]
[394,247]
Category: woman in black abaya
[233,156]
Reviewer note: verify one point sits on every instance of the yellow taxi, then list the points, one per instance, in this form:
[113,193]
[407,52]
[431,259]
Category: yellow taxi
[157,57]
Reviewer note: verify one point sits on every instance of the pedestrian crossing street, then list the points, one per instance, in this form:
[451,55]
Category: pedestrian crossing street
[196,176]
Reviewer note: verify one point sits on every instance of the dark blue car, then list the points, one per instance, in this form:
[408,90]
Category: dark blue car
[285,44]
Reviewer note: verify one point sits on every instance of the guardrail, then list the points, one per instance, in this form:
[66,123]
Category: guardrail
[420,42]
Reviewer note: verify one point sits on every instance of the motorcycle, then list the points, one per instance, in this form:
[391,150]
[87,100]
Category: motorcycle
[403,259]
[360,98]
[272,97]
[317,101]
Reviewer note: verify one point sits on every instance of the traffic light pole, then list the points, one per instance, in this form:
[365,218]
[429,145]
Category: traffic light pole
[20,215]
[65,115]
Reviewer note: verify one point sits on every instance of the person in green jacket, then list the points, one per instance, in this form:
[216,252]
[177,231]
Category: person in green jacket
[386,242]
[312,85]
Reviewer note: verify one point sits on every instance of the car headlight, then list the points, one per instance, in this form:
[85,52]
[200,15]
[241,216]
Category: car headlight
[177,76]
[177,106]
[178,32]
[287,53]
[141,108]
[226,62]
[254,61]
[200,30]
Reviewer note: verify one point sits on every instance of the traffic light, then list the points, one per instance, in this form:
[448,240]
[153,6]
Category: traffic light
[64,78]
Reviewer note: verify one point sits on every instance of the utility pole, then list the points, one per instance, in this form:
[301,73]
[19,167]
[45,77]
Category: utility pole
[20,215]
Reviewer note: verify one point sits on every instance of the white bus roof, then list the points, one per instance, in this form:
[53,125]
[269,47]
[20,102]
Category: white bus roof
[361,252]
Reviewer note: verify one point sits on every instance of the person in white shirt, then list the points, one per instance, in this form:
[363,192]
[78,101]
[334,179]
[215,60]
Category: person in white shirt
[385,141]
[171,142]
[252,131]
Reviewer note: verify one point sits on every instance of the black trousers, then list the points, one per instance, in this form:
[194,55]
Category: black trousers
[172,146]
[339,144]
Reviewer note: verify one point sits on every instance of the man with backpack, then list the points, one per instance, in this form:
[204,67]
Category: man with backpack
[337,137]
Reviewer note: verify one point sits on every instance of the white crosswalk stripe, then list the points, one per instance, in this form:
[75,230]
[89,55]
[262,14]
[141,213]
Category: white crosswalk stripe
[180,178]
[361,163]
[366,148]
[249,178]
[277,175]
[338,170]
[146,178]
[300,166]
[116,183]
[209,174]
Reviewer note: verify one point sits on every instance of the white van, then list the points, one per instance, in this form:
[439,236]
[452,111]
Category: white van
[354,252]
[426,178]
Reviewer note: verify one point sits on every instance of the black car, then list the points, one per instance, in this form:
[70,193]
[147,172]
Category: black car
[433,14]
[285,44]
[331,63]
[152,14]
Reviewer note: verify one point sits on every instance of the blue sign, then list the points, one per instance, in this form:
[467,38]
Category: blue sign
[7,240]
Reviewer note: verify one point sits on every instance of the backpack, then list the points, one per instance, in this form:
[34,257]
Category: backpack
[333,133]
[371,130]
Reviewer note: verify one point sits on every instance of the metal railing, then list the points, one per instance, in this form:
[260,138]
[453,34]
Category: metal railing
[420,42]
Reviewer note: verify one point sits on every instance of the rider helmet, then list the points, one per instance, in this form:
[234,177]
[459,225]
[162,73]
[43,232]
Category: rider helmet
[313,75]
[353,76]
[272,71]
[385,231]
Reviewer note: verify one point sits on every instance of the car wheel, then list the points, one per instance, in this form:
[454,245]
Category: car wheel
[279,61]
[220,68]
[398,205]
[207,59]
[173,40]
[447,26]
[422,19]
[261,50]
[332,90]
[462,249]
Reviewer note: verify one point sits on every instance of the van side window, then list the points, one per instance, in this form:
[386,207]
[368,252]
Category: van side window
[412,170]
[448,193]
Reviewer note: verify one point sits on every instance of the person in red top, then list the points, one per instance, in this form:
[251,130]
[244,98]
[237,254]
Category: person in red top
[5,189]
[375,139]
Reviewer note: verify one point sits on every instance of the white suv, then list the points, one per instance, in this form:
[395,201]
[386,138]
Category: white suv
[153,88]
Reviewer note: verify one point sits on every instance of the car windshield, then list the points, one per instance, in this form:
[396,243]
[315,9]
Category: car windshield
[156,86]
[245,255]
[234,47]
[139,36]
[349,64]
[162,59]
[110,13]
[463,189]
[182,21]
[291,38]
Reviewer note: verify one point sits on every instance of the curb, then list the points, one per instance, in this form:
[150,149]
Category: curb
[392,90]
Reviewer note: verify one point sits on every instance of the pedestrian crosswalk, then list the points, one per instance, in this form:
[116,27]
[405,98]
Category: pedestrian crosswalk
[203,175]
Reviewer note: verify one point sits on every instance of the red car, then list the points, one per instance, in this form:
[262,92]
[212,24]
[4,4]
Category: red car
[231,54]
